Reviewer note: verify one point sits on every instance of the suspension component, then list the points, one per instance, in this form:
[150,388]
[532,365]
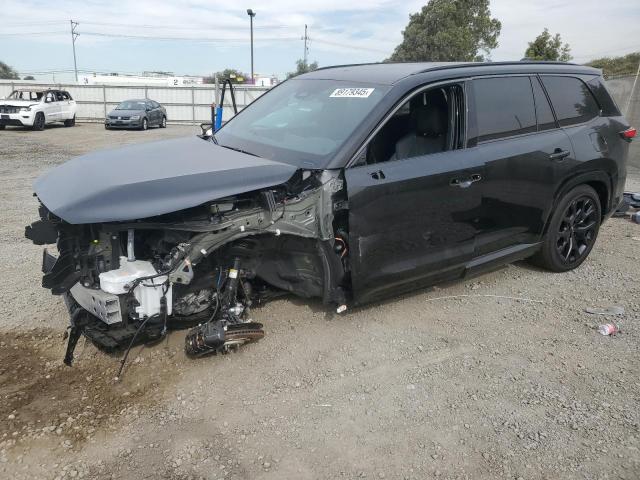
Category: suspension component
[225,329]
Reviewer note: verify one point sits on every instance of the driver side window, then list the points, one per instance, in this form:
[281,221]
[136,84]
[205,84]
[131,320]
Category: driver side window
[428,122]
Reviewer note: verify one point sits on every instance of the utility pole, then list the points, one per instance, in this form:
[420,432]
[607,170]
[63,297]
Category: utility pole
[306,48]
[251,14]
[74,35]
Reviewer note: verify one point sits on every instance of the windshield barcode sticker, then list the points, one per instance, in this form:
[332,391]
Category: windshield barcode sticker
[352,92]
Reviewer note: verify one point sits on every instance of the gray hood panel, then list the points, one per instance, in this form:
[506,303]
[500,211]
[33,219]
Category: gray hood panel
[145,180]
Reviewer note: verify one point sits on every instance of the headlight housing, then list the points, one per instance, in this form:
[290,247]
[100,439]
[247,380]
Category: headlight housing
[25,109]
[135,117]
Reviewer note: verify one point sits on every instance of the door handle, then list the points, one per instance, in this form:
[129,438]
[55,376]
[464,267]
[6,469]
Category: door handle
[377,175]
[466,182]
[559,154]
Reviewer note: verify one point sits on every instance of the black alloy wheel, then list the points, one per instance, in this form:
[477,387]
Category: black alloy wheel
[577,230]
[38,122]
[572,231]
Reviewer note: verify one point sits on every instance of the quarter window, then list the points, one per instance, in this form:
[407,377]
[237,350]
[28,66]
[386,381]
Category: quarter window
[571,99]
[504,107]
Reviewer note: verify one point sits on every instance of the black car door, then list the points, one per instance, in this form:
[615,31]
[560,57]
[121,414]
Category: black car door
[414,198]
[526,156]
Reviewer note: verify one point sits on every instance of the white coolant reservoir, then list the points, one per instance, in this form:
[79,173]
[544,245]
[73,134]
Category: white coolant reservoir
[148,293]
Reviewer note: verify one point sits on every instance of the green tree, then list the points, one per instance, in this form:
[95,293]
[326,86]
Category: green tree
[8,73]
[449,30]
[546,47]
[29,77]
[302,67]
[236,76]
[625,65]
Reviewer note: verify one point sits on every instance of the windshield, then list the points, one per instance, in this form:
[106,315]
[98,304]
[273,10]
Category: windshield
[301,122]
[132,105]
[26,95]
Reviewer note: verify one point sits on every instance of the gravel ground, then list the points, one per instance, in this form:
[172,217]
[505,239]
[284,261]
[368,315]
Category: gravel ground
[451,382]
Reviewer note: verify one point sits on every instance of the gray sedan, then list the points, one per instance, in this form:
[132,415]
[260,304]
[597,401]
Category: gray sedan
[140,114]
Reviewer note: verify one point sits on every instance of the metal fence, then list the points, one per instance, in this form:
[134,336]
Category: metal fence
[184,104]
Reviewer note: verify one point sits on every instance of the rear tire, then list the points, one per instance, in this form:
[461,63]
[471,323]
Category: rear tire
[71,122]
[38,122]
[572,231]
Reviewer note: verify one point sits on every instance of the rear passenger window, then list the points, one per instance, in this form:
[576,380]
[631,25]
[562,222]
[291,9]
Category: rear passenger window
[504,107]
[543,109]
[571,99]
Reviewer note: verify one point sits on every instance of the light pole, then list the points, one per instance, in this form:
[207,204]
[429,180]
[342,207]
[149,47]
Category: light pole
[251,14]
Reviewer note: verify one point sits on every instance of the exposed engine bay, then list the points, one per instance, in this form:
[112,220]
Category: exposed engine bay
[201,268]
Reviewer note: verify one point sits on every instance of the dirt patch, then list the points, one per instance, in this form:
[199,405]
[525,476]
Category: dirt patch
[41,398]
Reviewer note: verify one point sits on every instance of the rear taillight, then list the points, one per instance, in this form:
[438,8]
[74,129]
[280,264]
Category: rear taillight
[629,133]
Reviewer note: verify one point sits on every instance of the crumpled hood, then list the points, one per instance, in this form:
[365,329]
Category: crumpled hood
[145,180]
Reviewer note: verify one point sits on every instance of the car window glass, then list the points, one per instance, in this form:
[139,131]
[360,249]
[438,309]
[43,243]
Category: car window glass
[59,96]
[155,104]
[302,121]
[544,114]
[50,97]
[607,103]
[504,107]
[419,127]
[571,99]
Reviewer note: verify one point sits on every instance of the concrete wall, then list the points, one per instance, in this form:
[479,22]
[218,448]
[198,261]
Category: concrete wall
[184,104]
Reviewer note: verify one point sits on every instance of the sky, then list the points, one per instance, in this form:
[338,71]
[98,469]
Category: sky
[210,35]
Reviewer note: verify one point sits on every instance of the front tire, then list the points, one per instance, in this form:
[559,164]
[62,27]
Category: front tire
[163,122]
[38,122]
[572,231]
[2,127]
[145,124]
[70,122]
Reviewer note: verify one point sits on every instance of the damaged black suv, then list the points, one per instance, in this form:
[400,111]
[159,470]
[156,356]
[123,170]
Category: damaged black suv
[348,183]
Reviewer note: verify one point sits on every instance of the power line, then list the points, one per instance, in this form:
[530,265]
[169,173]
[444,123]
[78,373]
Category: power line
[191,39]
[350,46]
[30,34]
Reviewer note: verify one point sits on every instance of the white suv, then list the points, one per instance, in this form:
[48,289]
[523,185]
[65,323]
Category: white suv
[35,108]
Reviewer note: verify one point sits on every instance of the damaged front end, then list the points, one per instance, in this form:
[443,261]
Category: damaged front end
[201,268]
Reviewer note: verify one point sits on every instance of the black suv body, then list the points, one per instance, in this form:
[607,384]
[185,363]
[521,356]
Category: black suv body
[349,183]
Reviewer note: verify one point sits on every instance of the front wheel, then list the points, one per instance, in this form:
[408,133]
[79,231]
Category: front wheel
[2,127]
[163,122]
[38,122]
[572,231]
[145,124]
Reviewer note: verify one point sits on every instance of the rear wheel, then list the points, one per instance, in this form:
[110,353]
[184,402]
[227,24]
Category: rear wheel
[38,122]
[572,231]
[70,122]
